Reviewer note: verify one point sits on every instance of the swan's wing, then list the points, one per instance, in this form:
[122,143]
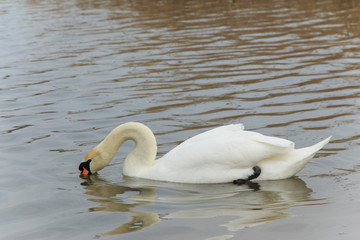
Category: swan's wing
[220,155]
[219,131]
[229,146]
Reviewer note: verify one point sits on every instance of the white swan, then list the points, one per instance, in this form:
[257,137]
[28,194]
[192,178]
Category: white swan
[224,154]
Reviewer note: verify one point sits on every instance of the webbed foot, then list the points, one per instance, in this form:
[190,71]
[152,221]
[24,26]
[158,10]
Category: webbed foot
[239,181]
[256,174]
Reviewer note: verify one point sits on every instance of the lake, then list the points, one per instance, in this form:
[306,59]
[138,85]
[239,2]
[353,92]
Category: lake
[71,71]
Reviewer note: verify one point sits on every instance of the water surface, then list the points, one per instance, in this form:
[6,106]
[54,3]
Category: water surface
[72,70]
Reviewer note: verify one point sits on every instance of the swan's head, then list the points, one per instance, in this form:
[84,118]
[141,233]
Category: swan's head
[84,168]
[92,162]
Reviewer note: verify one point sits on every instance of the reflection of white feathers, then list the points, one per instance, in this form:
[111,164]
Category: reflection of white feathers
[141,201]
[220,155]
[254,208]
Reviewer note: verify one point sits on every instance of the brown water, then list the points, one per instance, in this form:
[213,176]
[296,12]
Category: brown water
[72,70]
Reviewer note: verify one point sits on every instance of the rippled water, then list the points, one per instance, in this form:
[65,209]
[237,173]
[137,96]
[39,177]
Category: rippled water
[72,70]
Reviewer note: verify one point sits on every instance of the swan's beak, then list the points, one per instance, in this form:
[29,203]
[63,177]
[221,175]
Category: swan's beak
[84,168]
[84,171]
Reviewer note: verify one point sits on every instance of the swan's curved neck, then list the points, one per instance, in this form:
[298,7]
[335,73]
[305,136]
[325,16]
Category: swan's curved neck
[144,152]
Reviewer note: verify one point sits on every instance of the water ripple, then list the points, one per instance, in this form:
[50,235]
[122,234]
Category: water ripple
[72,70]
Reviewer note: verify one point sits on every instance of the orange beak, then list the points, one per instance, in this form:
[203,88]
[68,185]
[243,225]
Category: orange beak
[84,172]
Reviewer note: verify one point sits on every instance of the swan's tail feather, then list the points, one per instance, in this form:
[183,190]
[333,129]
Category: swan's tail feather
[319,145]
[308,153]
[289,164]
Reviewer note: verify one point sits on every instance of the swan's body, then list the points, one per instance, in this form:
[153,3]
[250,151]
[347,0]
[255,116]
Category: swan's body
[221,155]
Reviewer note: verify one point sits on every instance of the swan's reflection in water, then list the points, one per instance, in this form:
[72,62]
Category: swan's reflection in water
[120,198]
[252,205]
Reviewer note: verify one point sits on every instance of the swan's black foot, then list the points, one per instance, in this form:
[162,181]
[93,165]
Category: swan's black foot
[256,174]
[239,181]
[253,186]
